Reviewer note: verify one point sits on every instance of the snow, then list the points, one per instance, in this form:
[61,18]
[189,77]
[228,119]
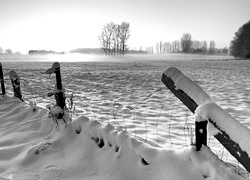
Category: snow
[193,90]
[211,112]
[210,127]
[33,147]
[187,85]
[225,122]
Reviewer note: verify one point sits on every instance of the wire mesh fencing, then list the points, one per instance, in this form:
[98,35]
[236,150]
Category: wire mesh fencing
[130,100]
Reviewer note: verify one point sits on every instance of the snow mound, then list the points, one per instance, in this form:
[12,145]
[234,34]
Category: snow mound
[224,122]
[33,147]
[182,82]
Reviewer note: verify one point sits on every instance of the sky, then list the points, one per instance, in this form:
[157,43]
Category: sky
[63,25]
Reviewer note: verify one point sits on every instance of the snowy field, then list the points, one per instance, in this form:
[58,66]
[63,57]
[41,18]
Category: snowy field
[126,92]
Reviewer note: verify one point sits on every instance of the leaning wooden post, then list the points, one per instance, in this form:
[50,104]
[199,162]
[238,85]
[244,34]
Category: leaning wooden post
[196,96]
[15,81]
[200,127]
[2,80]
[59,94]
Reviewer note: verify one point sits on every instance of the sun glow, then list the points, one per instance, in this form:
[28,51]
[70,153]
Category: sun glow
[65,25]
[75,57]
[58,32]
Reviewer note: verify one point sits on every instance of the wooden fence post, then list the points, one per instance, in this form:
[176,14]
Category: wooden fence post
[59,94]
[200,127]
[222,137]
[15,81]
[200,134]
[2,80]
[60,99]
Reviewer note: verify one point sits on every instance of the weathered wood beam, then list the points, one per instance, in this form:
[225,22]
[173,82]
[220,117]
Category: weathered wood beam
[200,127]
[222,137]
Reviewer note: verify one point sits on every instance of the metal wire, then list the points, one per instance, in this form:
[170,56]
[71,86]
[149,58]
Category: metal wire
[20,124]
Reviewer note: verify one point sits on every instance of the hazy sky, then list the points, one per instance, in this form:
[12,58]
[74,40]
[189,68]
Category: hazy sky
[63,25]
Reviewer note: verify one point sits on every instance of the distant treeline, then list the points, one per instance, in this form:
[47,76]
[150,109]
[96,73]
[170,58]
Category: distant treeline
[137,52]
[8,52]
[187,45]
[43,52]
[99,51]
[87,51]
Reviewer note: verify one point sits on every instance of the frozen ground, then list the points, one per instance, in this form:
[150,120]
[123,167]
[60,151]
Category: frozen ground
[131,96]
[33,147]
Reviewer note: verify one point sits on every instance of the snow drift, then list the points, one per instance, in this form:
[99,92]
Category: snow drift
[224,122]
[33,147]
[233,135]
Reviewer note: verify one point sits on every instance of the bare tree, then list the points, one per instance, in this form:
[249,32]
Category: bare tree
[176,46]
[160,47]
[113,38]
[150,50]
[117,39]
[164,47]
[106,37]
[111,34]
[103,38]
[125,34]
[212,47]
[199,46]
[157,47]
[168,46]
[204,46]
[186,42]
[195,45]
[8,51]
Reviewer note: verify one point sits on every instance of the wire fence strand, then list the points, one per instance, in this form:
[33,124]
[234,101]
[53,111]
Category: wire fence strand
[126,118]
[24,123]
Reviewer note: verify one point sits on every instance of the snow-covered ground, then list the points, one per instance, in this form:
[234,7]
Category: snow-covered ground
[33,147]
[130,96]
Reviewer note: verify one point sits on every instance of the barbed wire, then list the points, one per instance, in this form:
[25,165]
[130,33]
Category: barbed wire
[17,100]
[21,124]
[146,98]
[132,90]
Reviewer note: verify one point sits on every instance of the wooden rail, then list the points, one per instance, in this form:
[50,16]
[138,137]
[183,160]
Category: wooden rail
[222,136]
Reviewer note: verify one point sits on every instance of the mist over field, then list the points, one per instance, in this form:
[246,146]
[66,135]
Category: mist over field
[76,57]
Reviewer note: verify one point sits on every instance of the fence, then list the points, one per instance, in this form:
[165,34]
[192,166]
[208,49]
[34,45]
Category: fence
[200,128]
[201,138]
